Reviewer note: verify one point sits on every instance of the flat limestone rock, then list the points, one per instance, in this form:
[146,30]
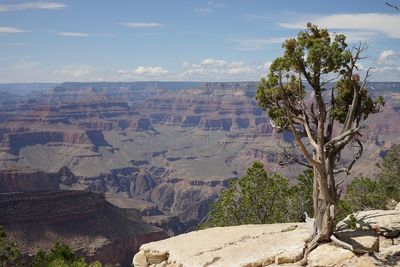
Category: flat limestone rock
[385,222]
[245,245]
[329,255]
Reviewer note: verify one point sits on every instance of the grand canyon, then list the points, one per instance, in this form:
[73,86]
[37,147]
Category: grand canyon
[159,150]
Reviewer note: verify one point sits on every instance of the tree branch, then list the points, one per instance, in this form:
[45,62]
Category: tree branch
[300,143]
[392,6]
[342,137]
[356,89]
[356,157]
[289,158]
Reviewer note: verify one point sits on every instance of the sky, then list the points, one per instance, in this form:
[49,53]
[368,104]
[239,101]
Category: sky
[187,40]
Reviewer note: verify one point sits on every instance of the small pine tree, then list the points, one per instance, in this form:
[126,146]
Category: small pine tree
[390,174]
[259,198]
[10,255]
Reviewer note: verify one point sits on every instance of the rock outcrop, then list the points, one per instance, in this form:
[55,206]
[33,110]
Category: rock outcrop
[245,245]
[279,244]
[384,222]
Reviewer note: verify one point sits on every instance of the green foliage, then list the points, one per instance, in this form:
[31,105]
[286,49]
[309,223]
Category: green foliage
[313,50]
[352,222]
[304,193]
[390,174]
[366,194]
[343,209]
[362,194]
[10,255]
[259,198]
[61,255]
[344,97]
[311,55]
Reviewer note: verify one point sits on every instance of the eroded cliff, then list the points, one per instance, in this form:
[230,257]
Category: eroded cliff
[85,221]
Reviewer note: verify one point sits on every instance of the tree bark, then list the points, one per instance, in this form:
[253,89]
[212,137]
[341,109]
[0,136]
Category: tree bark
[325,201]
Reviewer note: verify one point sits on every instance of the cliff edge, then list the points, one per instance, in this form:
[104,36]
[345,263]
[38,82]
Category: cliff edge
[376,242]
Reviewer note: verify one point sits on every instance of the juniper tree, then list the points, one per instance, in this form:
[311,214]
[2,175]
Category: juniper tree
[324,117]
[259,198]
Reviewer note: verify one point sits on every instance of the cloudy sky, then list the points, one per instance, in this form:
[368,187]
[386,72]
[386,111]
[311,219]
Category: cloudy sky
[191,40]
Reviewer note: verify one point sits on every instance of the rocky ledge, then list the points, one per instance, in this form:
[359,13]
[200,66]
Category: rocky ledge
[376,242]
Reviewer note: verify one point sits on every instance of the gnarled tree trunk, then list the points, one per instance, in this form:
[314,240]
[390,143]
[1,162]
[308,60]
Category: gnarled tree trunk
[325,200]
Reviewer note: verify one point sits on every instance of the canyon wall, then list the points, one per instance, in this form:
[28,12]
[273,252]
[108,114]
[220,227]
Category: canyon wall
[172,145]
[84,220]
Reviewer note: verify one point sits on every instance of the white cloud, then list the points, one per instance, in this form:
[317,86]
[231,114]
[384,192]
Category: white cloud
[254,44]
[221,70]
[75,34]
[389,56]
[210,7]
[84,34]
[142,25]
[214,62]
[204,10]
[5,30]
[31,5]
[387,66]
[364,23]
[141,73]
[73,72]
[144,70]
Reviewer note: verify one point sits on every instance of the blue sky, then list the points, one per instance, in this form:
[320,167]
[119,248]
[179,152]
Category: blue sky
[129,40]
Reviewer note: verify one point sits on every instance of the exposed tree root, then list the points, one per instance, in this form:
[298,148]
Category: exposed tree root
[341,243]
[316,241]
[312,244]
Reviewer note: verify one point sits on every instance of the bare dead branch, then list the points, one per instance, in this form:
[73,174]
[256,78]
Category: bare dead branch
[392,6]
[289,157]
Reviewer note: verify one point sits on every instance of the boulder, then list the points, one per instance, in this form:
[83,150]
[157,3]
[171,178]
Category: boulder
[397,207]
[140,259]
[384,222]
[245,245]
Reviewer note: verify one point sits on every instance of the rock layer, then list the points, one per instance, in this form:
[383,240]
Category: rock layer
[85,221]
[172,144]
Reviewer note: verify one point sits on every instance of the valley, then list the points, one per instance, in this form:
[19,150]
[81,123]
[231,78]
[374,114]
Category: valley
[165,149]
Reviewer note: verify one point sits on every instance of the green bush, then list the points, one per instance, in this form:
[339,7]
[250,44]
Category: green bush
[390,173]
[259,198]
[10,255]
[61,256]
